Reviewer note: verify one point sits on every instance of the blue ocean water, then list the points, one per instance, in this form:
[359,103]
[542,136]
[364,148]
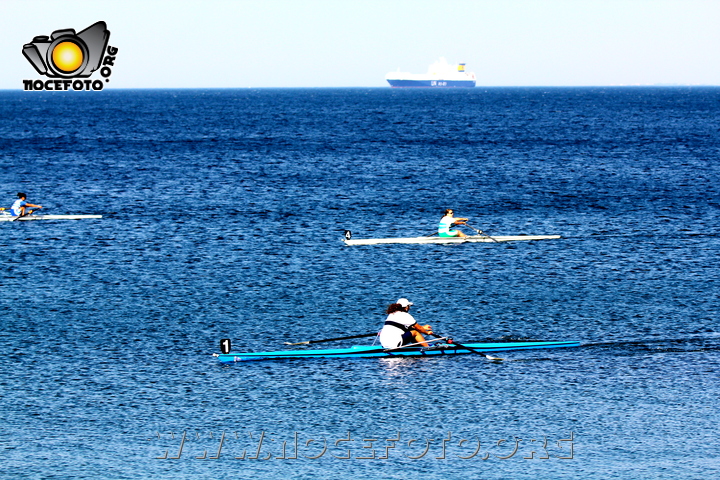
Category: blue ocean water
[222,217]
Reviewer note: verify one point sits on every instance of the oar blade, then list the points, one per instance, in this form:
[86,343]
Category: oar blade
[493,359]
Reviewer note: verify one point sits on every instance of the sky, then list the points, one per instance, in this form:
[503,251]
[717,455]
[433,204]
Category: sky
[355,43]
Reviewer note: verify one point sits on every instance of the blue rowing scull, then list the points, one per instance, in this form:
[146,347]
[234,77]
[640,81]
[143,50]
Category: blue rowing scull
[380,352]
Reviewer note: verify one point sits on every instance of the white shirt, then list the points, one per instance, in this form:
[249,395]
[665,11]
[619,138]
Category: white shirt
[19,203]
[445,224]
[390,335]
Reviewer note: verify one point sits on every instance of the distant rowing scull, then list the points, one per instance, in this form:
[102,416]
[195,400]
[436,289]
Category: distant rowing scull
[10,218]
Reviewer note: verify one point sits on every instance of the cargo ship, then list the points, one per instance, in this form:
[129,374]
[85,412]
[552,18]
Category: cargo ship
[440,74]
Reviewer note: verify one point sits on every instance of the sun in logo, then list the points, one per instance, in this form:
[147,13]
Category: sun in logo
[67,56]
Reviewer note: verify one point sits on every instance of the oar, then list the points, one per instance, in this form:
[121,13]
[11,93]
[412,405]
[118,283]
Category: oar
[480,232]
[24,215]
[332,339]
[473,350]
[489,357]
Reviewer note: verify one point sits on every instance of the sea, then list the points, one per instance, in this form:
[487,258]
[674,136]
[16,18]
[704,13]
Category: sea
[222,218]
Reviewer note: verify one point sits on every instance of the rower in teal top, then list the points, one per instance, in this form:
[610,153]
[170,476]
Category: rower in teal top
[448,221]
[21,204]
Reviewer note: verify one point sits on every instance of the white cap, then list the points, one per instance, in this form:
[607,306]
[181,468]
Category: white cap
[404,302]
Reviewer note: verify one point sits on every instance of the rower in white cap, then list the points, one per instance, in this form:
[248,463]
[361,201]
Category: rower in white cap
[401,328]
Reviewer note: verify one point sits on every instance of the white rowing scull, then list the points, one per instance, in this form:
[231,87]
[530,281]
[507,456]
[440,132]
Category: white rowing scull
[449,240]
[10,218]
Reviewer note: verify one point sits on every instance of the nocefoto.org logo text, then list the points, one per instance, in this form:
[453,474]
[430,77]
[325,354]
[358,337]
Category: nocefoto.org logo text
[69,58]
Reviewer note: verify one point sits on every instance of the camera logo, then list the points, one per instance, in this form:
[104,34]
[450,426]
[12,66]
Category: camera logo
[68,55]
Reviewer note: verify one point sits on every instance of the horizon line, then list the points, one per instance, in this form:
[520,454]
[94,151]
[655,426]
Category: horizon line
[386,87]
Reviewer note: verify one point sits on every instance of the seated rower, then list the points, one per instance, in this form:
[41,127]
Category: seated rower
[21,204]
[448,221]
[401,328]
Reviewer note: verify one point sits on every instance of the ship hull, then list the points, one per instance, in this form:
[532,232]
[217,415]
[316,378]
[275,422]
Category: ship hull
[398,83]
